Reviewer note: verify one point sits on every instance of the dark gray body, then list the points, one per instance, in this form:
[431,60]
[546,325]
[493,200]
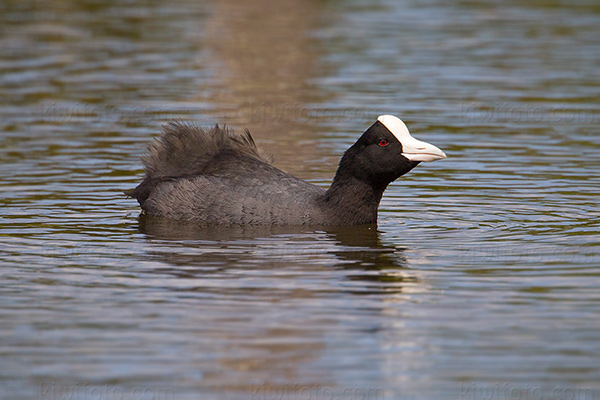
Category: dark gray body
[238,190]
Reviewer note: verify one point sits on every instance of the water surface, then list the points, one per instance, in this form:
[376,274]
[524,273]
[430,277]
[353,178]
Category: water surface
[481,280]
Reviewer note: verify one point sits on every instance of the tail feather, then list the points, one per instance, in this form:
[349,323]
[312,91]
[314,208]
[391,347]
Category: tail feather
[186,149]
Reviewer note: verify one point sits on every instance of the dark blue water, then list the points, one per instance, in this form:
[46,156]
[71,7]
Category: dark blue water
[481,281]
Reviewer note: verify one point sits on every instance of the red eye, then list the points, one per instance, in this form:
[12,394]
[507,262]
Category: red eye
[383,143]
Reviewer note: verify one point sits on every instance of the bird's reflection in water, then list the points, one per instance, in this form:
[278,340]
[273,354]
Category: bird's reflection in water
[358,250]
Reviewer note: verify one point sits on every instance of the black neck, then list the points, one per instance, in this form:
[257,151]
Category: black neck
[353,200]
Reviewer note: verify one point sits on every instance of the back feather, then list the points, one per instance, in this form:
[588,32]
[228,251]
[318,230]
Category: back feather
[185,149]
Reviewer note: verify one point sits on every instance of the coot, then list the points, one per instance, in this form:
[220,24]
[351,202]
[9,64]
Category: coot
[216,177]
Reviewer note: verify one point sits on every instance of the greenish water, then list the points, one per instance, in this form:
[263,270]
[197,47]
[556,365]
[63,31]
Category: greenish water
[481,281]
